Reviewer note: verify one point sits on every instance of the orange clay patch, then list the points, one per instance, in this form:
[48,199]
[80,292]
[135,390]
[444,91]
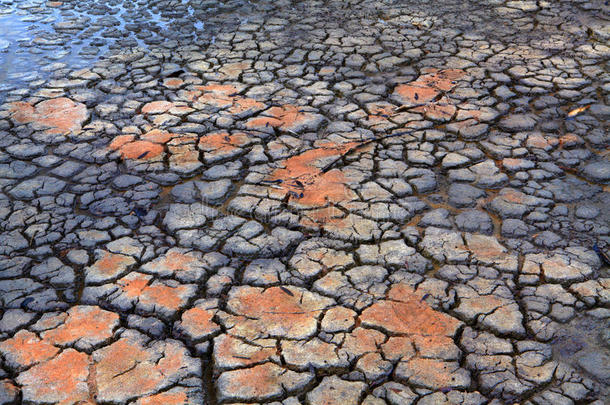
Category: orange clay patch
[260,382]
[404,312]
[361,340]
[302,181]
[59,115]
[62,379]
[157,107]
[439,111]
[285,117]
[155,294]
[118,357]
[134,285]
[68,377]
[197,322]
[141,150]
[273,306]
[380,113]
[243,104]
[173,82]
[127,369]
[422,92]
[26,349]
[157,136]
[120,140]
[301,175]
[444,80]
[275,312]
[416,94]
[400,347]
[225,90]
[111,264]
[90,324]
[382,109]
[230,352]
[224,96]
[150,145]
[174,261]
[222,142]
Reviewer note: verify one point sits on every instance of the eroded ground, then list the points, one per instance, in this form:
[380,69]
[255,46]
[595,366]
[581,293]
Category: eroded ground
[367,202]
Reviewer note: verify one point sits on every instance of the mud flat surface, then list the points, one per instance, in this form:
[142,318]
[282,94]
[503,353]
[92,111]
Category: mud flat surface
[338,202]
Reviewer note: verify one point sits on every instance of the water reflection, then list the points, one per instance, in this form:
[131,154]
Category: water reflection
[38,37]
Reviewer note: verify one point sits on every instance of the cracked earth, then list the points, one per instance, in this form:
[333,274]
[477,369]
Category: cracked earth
[304,202]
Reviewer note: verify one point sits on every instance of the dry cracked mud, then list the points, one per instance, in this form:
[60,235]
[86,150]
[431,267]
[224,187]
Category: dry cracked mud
[304,202]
